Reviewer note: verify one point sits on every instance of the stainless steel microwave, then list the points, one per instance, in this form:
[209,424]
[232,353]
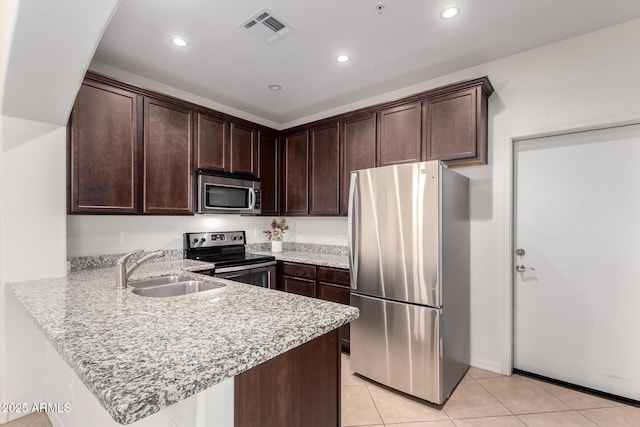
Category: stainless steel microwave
[220,193]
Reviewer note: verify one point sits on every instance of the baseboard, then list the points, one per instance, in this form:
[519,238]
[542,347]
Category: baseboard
[491,367]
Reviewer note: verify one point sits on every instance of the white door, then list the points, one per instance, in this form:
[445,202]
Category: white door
[577,218]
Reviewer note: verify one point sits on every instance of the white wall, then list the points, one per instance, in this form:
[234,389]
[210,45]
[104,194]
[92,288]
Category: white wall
[8,13]
[143,82]
[34,158]
[33,201]
[101,234]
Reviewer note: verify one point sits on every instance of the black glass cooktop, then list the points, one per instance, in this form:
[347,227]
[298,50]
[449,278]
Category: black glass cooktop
[232,260]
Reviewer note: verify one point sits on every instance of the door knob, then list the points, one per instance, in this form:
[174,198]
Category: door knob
[521,268]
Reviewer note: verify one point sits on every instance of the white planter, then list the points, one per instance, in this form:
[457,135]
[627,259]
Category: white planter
[276,246]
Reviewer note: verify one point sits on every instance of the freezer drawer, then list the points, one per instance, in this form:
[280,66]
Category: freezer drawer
[398,345]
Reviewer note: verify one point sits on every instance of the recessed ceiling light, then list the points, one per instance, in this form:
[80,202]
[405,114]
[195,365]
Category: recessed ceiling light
[449,12]
[275,87]
[179,42]
[342,58]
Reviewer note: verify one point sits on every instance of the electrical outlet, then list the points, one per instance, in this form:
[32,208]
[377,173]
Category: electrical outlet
[124,237]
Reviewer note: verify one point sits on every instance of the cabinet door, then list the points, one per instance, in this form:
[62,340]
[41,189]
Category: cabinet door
[358,147]
[399,134]
[295,176]
[268,172]
[336,276]
[451,130]
[296,285]
[104,151]
[334,293]
[324,171]
[212,145]
[243,146]
[167,158]
[341,295]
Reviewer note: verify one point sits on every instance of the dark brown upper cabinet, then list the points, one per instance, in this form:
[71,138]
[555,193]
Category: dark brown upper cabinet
[167,158]
[456,126]
[244,149]
[400,134]
[212,148]
[358,148]
[324,170]
[104,146]
[268,172]
[295,174]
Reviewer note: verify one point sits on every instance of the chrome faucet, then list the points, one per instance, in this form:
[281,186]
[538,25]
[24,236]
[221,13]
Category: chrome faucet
[122,273]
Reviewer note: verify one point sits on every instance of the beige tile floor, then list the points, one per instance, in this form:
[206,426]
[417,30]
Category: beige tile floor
[37,419]
[482,399]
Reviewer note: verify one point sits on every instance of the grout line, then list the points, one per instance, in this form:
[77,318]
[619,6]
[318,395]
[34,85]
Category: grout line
[553,412]
[498,400]
[589,419]
[375,405]
[37,418]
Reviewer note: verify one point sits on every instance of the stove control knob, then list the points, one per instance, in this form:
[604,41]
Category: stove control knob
[195,240]
[234,238]
[203,240]
[239,237]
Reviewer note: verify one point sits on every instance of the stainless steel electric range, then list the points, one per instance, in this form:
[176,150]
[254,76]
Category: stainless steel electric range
[226,250]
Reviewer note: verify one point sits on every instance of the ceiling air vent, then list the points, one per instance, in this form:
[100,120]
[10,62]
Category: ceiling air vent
[266,27]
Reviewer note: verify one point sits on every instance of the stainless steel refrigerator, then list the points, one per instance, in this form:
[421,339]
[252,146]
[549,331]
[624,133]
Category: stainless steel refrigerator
[409,260]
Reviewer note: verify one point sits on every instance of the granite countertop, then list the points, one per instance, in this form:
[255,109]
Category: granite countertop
[138,355]
[315,258]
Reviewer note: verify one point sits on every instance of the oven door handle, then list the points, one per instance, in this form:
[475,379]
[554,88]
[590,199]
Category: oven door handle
[245,267]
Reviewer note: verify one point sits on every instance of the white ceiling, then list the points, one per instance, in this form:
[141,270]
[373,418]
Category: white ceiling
[406,44]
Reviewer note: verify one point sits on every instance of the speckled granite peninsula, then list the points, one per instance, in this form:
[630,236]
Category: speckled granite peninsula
[138,354]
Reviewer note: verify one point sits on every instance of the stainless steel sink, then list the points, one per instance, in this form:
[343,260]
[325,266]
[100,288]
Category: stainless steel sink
[166,280]
[171,286]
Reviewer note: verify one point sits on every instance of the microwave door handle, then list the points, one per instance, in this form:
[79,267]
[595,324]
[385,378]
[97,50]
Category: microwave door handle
[252,198]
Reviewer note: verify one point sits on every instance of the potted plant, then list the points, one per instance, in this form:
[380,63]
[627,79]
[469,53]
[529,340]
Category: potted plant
[276,234]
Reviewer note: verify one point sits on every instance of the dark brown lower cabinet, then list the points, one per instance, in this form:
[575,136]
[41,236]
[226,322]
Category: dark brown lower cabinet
[329,284]
[299,286]
[298,388]
[334,285]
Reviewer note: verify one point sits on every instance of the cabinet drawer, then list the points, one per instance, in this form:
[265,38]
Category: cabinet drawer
[334,275]
[334,293]
[299,270]
[300,286]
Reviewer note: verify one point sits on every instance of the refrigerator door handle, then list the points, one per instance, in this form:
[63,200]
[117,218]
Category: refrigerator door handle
[352,230]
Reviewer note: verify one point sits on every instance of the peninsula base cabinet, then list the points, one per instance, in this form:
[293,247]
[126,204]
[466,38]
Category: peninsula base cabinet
[300,387]
[326,283]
